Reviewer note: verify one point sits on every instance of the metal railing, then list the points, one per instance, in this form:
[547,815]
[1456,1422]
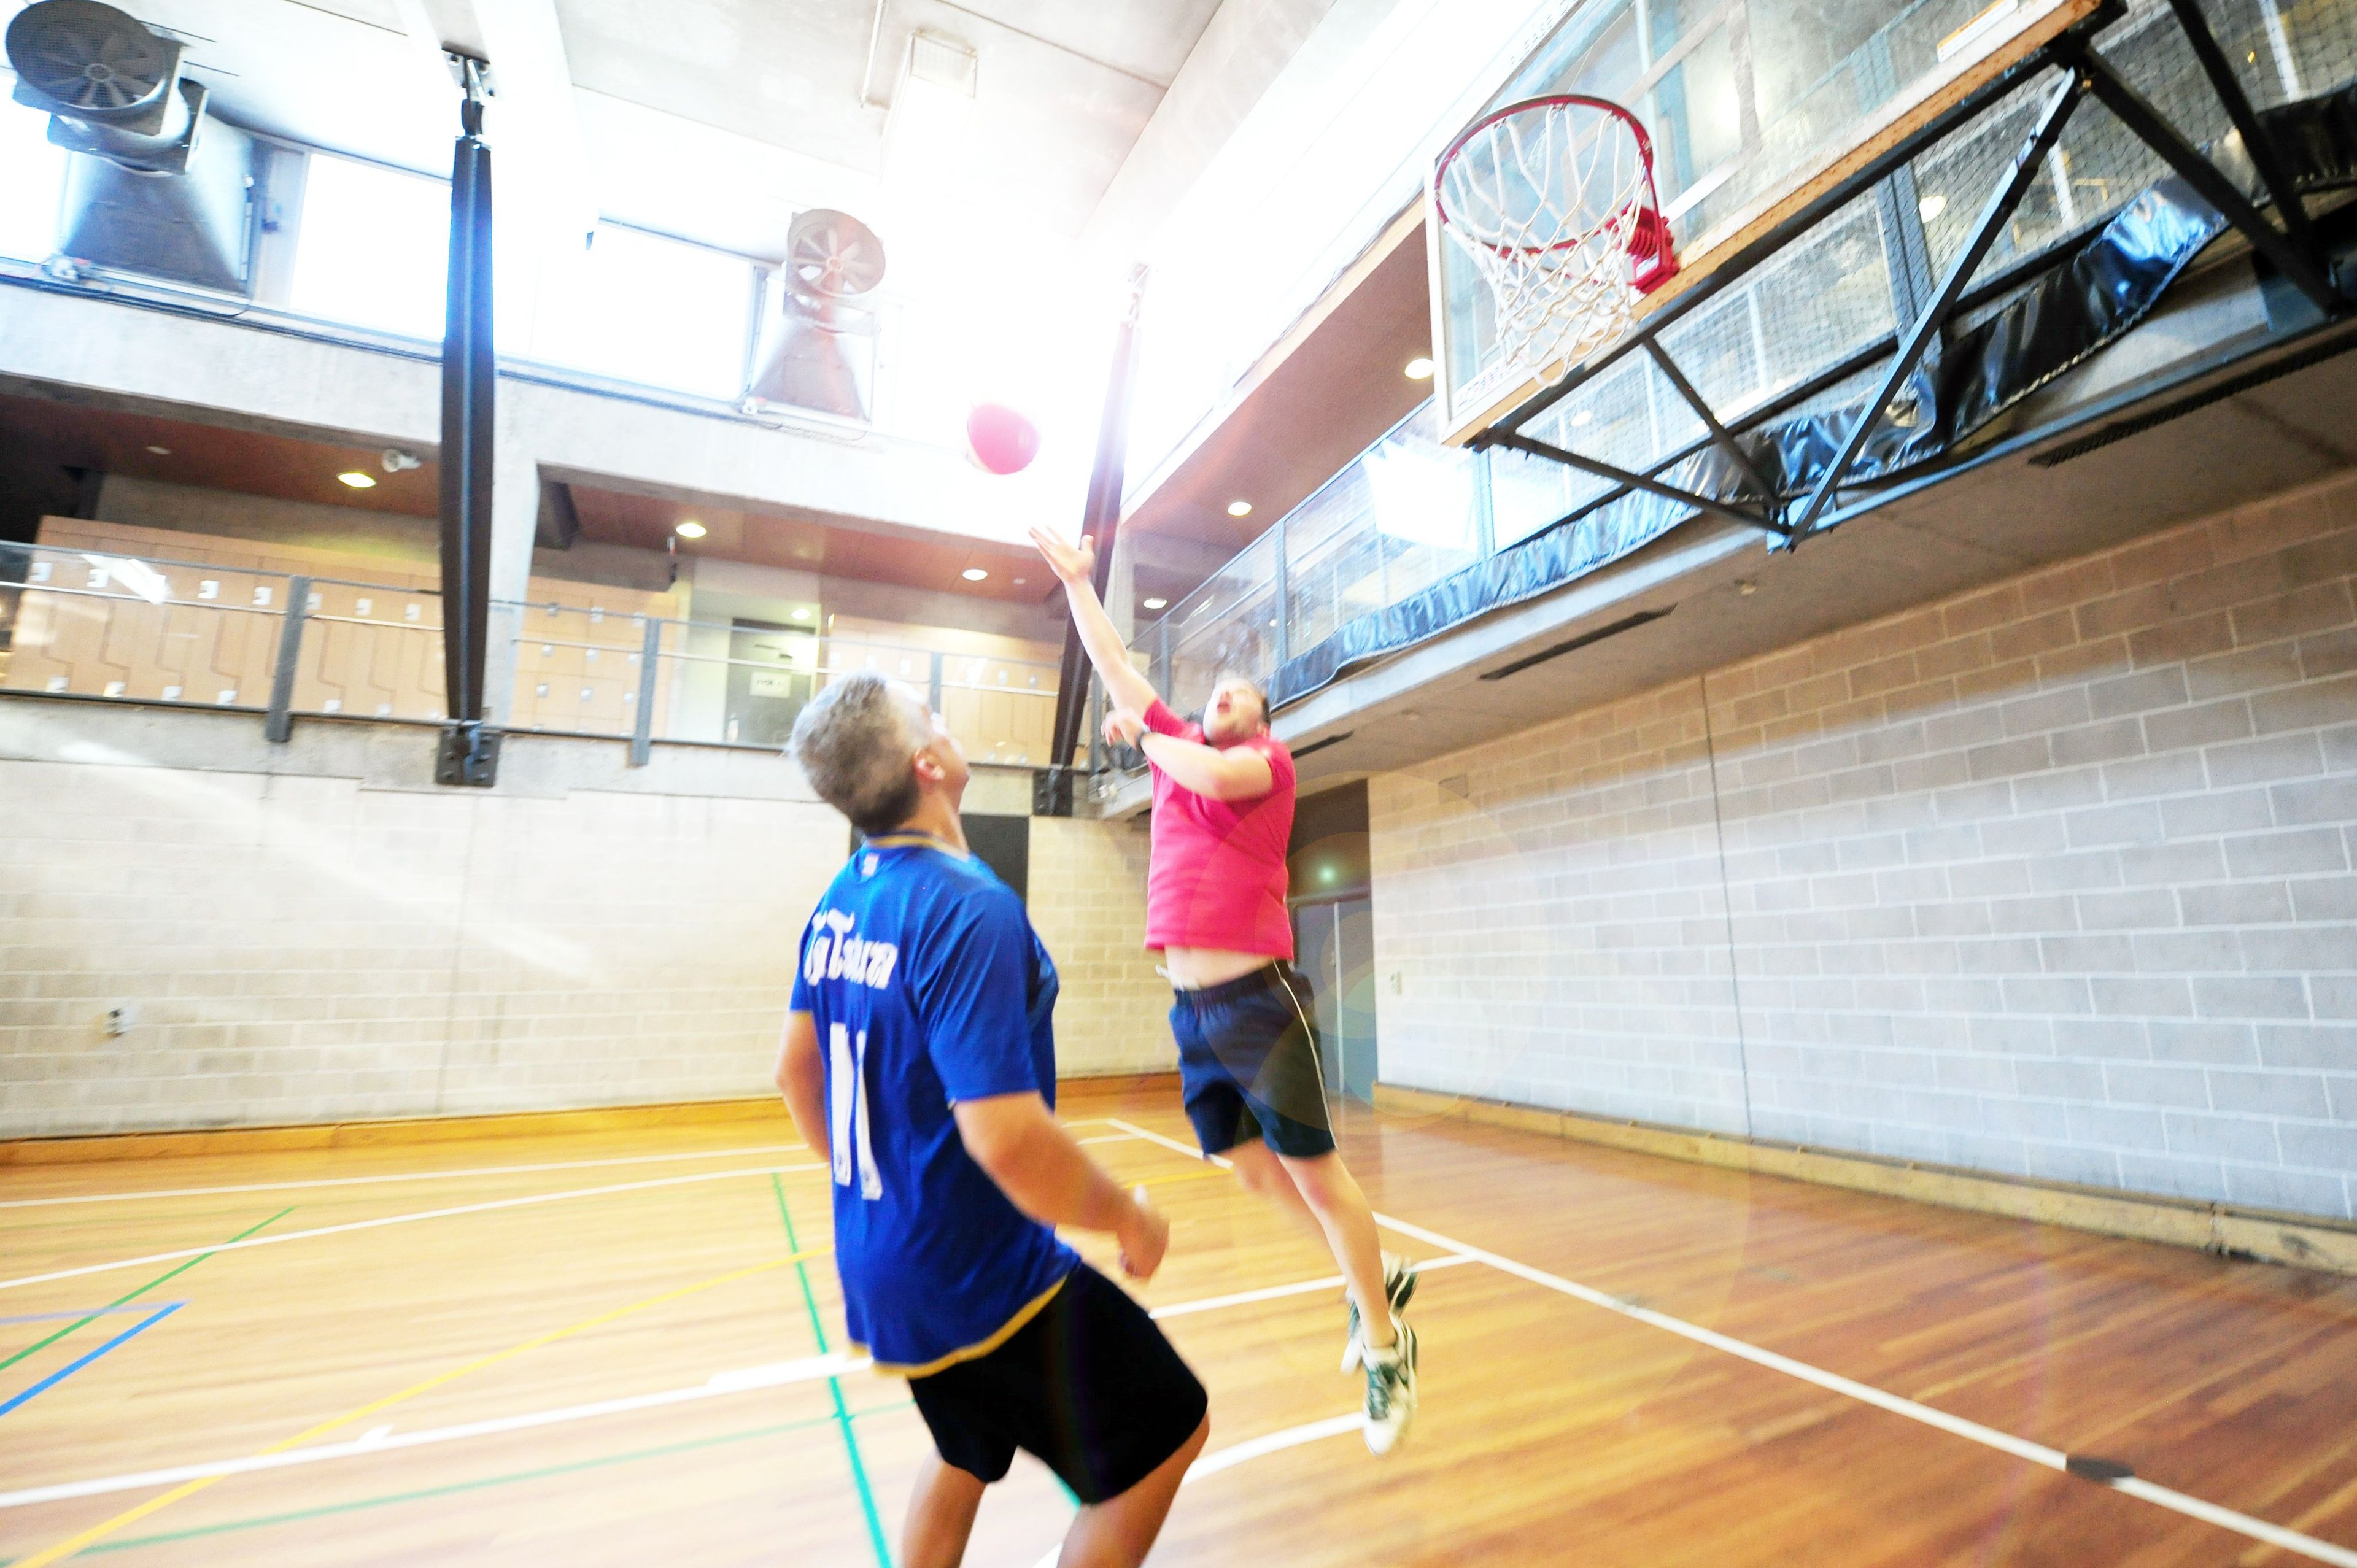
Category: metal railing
[91,624]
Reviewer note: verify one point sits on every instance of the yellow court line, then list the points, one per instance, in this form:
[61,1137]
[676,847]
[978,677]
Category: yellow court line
[97,1532]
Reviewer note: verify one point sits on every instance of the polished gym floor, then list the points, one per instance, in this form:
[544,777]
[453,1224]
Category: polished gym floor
[623,1346]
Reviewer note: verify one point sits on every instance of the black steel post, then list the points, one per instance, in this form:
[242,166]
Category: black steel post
[1101,521]
[1718,433]
[2246,120]
[2026,166]
[469,748]
[2150,127]
[280,724]
[1623,477]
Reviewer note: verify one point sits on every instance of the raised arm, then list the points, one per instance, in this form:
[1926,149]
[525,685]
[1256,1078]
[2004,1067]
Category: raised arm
[802,1078]
[1072,567]
[1020,1146]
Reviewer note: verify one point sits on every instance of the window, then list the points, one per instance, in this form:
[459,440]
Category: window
[374,247]
[32,181]
[651,310]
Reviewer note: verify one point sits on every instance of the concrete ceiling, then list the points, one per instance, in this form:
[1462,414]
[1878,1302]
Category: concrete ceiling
[1318,399]
[1062,88]
[907,558]
[43,440]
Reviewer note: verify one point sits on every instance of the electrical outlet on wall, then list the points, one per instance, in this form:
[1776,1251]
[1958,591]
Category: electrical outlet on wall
[120,1018]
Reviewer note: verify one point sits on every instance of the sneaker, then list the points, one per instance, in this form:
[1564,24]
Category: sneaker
[1391,1391]
[1399,1283]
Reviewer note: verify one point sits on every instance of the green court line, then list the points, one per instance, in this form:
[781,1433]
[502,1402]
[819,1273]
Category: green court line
[392,1498]
[143,1290]
[835,1389]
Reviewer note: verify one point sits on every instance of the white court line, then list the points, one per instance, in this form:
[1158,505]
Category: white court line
[384,1440]
[742,1379]
[477,1171]
[2021,1448]
[402,1175]
[522,1202]
[1245,1298]
[1236,1453]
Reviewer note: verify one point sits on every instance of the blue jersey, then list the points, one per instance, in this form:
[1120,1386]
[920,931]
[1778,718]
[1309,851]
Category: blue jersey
[928,986]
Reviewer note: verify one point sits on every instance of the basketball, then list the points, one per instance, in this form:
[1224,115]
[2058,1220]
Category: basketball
[1001,439]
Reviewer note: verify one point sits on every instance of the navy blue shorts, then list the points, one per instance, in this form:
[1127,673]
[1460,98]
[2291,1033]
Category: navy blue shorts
[1248,1064]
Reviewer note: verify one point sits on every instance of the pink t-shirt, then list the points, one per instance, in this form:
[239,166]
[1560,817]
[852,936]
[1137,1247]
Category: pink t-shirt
[1216,876]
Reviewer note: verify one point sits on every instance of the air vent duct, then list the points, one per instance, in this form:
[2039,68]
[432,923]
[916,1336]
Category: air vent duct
[818,349]
[160,188]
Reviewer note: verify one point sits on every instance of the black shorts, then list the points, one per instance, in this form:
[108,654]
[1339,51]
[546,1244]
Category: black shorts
[1248,1064]
[1089,1387]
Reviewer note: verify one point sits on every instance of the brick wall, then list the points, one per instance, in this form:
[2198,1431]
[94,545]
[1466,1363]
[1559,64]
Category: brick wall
[1088,903]
[2052,880]
[306,948]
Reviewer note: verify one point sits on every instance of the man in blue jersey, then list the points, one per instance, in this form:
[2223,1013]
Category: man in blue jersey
[919,1059]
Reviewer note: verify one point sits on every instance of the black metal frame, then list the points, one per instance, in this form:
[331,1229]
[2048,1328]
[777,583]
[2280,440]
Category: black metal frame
[469,752]
[2294,250]
[1052,788]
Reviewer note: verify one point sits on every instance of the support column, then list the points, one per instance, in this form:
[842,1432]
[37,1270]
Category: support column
[515,524]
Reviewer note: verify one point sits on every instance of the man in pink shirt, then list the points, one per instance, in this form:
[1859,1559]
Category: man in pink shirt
[1215,906]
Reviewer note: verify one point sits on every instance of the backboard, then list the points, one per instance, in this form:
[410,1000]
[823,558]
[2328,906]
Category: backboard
[1754,109]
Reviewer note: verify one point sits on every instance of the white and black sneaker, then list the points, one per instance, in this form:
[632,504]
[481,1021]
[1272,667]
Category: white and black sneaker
[1399,1284]
[1390,1389]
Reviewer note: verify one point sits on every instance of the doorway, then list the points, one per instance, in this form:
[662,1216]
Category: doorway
[770,673]
[1335,939]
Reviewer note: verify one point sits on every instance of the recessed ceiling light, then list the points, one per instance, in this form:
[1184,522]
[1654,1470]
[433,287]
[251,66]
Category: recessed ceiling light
[1931,207]
[802,613]
[691,529]
[1239,508]
[161,451]
[1584,416]
[1419,369]
[357,481]
[1157,604]
[973,574]
[1022,581]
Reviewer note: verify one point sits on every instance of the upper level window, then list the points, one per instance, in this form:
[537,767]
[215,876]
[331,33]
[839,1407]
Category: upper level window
[374,247]
[647,309]
[32,180]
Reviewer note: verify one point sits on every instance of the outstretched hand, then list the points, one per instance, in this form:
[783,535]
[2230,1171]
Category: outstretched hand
[1071,563]
[1124,726]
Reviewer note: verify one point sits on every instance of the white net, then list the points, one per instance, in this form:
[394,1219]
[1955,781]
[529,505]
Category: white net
[1553,202]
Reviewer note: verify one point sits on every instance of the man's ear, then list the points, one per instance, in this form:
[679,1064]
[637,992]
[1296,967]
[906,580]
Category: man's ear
[929,767]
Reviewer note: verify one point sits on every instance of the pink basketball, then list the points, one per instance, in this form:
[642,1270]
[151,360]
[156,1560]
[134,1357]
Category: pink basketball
[1002,440]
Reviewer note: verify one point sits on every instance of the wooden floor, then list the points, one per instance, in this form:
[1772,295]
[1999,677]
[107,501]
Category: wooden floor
[1758,1374]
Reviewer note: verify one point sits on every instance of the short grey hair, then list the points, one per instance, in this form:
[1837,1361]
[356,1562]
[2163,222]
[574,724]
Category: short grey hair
[856,742]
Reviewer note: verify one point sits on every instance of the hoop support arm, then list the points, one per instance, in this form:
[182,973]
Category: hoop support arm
[2028,163]
[2146,121]
[1636,481]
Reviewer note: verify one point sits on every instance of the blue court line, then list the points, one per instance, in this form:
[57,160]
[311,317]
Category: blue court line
[71,1368]
[84,1313]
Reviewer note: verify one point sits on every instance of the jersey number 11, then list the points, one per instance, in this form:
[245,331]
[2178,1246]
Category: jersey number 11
[847,1081]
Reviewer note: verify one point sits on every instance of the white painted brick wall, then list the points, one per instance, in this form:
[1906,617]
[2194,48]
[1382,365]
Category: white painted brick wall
[1088,904]
[306,949]
[2052,880]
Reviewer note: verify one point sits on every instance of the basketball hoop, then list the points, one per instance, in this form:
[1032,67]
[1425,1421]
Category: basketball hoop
[1554,200]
